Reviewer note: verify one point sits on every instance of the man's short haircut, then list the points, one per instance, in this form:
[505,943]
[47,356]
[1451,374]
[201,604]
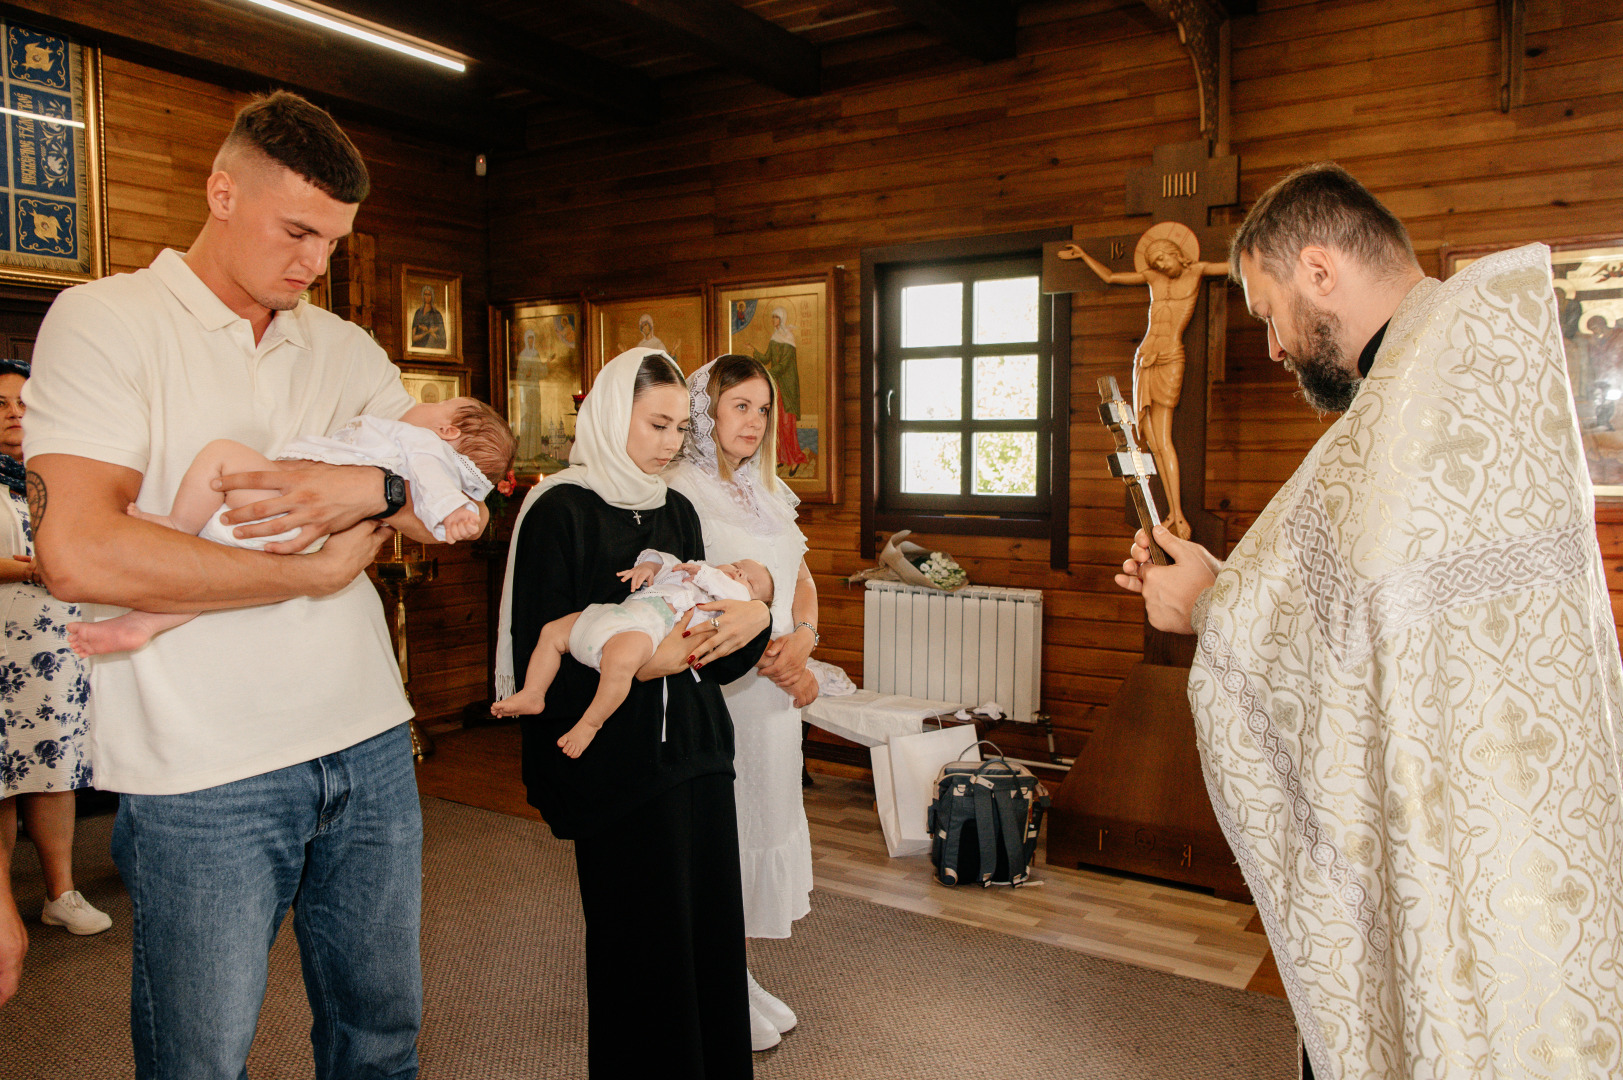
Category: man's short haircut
[1325,206]
[486,440]
[301,137]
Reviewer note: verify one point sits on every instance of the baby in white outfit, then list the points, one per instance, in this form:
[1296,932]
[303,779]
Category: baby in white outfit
[449,452]
[618,639]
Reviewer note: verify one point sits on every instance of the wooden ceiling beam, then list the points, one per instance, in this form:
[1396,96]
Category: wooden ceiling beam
[240,46]
[726,33]
[983,29]
[516,57]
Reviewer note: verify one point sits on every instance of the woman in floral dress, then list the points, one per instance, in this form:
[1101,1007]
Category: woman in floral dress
[44,695]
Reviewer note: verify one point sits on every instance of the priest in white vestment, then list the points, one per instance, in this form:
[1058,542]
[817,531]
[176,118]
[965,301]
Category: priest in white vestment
[1407,688]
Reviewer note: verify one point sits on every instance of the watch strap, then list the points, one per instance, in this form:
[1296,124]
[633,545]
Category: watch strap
[394,494]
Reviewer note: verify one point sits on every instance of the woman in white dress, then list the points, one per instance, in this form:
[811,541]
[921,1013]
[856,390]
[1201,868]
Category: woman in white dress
[748,513]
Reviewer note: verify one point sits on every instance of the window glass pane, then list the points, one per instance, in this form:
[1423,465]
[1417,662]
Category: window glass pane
[931,462]
[933,388]
[1005,388]
[1005,463]
[1006,310]
[933,315]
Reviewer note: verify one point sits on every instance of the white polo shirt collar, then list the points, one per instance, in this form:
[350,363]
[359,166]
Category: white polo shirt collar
[212,313]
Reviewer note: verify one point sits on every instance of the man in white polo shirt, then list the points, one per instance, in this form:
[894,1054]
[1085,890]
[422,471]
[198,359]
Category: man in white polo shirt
[261,749]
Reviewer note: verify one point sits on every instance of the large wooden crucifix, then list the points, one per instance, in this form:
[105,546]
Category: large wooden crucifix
[1187,316]
[1135,800]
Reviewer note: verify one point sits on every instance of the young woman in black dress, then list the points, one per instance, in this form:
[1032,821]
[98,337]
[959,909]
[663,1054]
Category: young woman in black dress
[649,805]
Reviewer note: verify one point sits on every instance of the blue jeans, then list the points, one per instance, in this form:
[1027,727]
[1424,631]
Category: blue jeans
[211,875]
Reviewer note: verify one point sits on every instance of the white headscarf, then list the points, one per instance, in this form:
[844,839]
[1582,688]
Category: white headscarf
[783,332]
[597,460]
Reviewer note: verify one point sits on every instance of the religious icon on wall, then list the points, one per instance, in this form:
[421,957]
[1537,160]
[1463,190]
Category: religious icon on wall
[431,313]
[540,374]
[432,387]
[1589,301]
[789,327]
[53,224]
[672,324]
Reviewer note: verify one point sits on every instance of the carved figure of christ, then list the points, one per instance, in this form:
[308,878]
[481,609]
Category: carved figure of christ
[1174,275]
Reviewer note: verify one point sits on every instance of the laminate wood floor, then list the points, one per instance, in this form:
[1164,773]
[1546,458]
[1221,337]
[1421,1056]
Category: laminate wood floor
[1144,923]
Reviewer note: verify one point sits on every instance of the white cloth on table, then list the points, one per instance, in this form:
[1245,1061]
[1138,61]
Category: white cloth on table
[442,480]
[749,519]
[871,718]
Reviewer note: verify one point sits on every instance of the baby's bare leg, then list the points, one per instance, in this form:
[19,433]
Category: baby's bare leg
[541,670]
[123,633]
[196,502]
[623,655]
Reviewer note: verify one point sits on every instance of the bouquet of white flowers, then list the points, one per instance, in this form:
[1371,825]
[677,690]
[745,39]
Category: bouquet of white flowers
[903,560]
[942,570]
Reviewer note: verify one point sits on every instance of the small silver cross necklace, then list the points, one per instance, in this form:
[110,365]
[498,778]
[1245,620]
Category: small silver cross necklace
[637,516]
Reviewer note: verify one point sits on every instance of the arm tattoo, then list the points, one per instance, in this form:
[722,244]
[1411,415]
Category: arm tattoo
[36,500]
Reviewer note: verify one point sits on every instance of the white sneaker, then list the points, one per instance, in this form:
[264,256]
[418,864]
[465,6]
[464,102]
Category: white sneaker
[73,911]
[776,1012]
[763,1036]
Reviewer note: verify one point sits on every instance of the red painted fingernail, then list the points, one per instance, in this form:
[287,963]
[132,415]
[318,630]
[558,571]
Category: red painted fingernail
[696,667]
[685,633]
[690,659]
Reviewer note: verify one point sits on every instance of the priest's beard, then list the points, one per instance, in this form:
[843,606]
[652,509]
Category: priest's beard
[1328,380]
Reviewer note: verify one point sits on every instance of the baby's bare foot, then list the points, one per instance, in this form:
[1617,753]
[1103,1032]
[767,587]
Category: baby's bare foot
[156,519]
[99,638]
[524,703]
[577,739]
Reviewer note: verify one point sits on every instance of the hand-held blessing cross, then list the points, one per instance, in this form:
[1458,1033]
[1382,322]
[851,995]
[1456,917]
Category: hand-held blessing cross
[1132,466]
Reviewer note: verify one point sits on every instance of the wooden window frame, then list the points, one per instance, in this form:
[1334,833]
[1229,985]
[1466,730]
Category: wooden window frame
[880,269]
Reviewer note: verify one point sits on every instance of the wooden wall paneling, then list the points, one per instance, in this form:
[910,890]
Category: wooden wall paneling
[1404,92]
[777,188]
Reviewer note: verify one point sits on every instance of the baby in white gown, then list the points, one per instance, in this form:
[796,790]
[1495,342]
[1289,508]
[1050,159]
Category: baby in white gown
[618,639]
[449,452]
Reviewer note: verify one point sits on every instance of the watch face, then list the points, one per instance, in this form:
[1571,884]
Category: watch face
[395,490]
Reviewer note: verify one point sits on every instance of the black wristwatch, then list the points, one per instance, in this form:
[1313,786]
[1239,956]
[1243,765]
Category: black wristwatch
[394,494]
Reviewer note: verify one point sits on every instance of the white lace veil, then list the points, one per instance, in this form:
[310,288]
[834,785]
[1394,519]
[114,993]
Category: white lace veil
[751,516]
[755,498]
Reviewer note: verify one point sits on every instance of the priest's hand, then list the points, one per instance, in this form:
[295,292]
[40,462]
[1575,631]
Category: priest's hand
[1169,592]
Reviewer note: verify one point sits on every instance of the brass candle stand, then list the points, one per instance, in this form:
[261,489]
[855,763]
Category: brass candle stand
[396,575]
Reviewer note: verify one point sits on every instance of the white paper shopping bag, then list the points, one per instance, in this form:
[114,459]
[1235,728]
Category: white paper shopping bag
[904,773]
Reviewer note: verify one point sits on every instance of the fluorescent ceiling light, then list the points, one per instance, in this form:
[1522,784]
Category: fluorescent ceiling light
[344,25]
[42,118]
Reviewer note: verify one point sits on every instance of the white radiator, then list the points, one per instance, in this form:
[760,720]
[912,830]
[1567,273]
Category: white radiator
[974,645]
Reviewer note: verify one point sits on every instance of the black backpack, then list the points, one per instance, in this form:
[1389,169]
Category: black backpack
[984,821]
